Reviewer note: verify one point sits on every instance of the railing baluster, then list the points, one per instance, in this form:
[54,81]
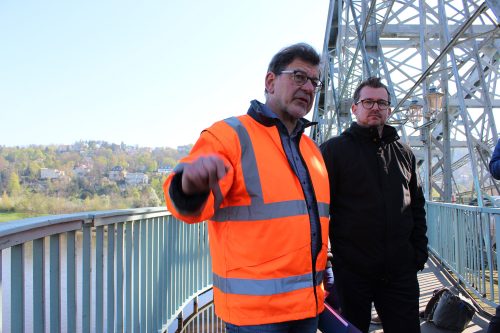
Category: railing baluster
[199,257]
[17,288]
[143,280]
[38,283]
[148,273]
[208,259]
[135,282]
[161,278]
[190,258]
[110,285]
[155,274]
[128,276]
[119,278]
[175,238]
[55,286]
[170,273]
[86,269]
[182,263]
[71,281]
[99,279]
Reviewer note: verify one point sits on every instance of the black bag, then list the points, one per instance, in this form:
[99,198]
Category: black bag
[447,310]
[432,303]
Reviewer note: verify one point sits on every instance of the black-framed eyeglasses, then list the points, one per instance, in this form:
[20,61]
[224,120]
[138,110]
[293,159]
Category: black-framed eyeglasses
[369,103]
[301,78]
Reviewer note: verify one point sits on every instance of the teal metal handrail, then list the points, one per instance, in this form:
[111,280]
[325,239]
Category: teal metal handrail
[464,238]
[142,270]
[112,271]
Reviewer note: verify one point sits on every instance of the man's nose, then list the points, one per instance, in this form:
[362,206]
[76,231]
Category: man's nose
[377,106]
[308,86]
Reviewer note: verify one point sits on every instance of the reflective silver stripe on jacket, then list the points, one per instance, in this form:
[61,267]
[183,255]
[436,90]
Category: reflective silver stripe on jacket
[258,210]
[265,287]
[248,161]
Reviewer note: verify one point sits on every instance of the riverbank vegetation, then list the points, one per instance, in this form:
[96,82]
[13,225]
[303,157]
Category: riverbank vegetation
[85,176]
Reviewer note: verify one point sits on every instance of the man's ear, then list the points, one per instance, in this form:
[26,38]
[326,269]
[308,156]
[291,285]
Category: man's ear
[270,80]
[389,111]
[354,108]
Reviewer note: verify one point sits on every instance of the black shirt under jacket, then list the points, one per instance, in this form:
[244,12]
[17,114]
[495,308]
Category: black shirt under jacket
[377,215]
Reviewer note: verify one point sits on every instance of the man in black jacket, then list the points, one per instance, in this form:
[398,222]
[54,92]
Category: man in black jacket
[494,326]
[377,217]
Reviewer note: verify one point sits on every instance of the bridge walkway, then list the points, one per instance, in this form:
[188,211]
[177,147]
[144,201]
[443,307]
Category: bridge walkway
[431,278]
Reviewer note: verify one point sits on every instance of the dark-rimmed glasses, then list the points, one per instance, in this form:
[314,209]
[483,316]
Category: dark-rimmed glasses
[301,78]
[369,103]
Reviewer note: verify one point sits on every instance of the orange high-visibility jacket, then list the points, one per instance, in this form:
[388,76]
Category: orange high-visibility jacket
[259,229]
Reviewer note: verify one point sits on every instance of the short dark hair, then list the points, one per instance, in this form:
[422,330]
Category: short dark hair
[373,82]
[288,54]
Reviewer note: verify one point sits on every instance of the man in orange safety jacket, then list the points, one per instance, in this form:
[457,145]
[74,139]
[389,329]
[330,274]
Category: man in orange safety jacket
[264,188]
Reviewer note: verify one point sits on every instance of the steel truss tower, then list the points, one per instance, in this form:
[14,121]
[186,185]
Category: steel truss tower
[417,47]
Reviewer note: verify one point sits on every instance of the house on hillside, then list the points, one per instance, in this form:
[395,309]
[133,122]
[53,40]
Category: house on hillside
[136,178]
[81,170]
[46,173]
[117,173]
[165,170]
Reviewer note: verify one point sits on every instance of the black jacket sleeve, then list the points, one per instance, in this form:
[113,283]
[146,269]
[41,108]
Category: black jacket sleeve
[418,236]
[495,162]
[186,204]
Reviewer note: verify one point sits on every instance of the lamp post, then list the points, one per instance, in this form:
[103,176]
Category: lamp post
[414,112]
[434,101]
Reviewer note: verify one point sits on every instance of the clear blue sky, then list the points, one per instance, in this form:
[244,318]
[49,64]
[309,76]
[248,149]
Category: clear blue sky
[147,73]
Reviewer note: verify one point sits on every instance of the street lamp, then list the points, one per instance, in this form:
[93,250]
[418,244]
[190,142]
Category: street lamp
[414,112]
[434,101]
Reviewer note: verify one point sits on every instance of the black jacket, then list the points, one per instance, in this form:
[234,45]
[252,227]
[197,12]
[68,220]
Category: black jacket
[377,214]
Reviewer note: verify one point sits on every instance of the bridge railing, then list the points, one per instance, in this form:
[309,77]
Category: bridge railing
[142,270]
[113,271]
[464,238]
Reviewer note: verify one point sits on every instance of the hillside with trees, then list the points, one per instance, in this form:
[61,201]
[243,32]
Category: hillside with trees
[86,176]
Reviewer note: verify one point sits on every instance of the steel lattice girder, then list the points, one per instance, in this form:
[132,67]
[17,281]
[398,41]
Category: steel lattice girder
[452,45]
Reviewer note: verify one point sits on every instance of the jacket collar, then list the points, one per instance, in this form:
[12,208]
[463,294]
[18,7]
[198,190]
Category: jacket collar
[265,116]
[389,133]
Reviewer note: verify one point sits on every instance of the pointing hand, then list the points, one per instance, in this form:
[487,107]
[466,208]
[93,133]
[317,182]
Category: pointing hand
[202,174]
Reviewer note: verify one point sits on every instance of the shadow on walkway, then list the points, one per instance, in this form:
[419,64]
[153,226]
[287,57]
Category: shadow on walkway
[432,278]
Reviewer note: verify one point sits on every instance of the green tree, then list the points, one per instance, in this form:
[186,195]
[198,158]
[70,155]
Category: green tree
[149,198]
[33,170]
[157,186]
[135,196]
[5,203]
[13,185]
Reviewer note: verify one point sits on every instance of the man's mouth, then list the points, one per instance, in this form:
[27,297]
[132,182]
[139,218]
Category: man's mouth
[303,99]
